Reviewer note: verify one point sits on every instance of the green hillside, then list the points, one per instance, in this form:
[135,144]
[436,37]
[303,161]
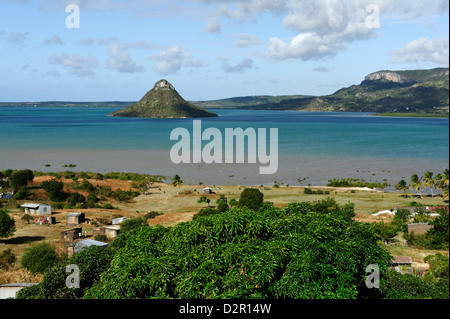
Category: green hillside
[413,91]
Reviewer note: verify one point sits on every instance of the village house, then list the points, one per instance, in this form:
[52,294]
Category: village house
[37,209]
[207,190]
[71,234]
[75,218]
[110,231]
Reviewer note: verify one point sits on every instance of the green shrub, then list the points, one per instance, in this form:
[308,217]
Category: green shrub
[251,198]
[39,257]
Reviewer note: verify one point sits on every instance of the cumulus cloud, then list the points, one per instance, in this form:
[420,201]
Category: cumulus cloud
[423,50]
[238,68]
[120,60]
[54,40]
[246,40]
[17,37]
[173,59]
[78,65]
[213,26]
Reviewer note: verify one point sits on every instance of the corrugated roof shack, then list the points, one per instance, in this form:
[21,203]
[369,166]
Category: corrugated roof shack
[75,218]
[37,209]
[10,290]
[71,234]
[76,247]
[402,264]
[418,228]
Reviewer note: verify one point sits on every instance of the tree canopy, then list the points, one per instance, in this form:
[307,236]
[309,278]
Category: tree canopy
[272,253]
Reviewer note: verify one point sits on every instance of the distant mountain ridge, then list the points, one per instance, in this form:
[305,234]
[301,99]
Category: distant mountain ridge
[163,101]
[412,91]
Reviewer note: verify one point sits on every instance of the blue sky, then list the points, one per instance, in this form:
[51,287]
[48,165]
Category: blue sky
[211,49]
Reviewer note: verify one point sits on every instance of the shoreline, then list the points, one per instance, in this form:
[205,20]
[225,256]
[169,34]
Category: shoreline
[318,170]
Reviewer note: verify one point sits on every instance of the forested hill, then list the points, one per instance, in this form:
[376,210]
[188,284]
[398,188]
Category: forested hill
[413,91]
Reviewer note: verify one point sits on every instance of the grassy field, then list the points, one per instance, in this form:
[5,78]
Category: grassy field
[179,204]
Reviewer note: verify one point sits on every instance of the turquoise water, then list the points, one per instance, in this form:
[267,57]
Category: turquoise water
[334,137]
[300,133]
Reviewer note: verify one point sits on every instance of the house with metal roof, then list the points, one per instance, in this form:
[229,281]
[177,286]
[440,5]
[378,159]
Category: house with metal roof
[37,209]
[78,246]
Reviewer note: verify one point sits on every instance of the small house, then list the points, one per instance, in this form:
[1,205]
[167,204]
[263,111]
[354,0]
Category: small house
[110,231]
[75,218]
[402,264]
[78,246]
[37,209]
[418,228]
[207,190]
[10,290]
[71,234]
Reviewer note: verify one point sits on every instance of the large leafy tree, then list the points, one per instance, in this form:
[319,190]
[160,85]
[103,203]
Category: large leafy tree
[251,198]
[21,178]
[272,253]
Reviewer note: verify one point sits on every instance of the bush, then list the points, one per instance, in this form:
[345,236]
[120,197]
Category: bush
[39,257]
[76,198]
[132,223]
[206,211]
[92,262]
[21,178]
[22,193]
[395,285]
[54,189]
[151,215]
[7,224]
[251,198]
[7,258]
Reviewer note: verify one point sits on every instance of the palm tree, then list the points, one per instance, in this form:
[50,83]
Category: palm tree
[429,180]
[176,181]
[442,182]
[403,187]
[416,183]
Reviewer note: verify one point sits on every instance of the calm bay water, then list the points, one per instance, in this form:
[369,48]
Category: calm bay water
[320,146]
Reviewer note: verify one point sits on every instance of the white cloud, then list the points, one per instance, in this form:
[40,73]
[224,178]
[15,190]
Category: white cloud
[246,40]
[120,60]
[213,26]
[78,65]
[238,68]
[173,59]
[17,37]
[421,50]
[55,40]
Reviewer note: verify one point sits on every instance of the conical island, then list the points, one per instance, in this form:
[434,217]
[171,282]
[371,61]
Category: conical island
[163,101]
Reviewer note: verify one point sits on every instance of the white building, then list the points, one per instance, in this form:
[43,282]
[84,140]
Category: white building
[10,290]
[37,209]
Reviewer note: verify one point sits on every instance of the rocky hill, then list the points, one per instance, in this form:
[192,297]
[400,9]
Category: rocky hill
[413,91]
[163,101]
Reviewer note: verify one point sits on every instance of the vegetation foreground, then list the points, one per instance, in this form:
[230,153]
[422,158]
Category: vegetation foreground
[242,248]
